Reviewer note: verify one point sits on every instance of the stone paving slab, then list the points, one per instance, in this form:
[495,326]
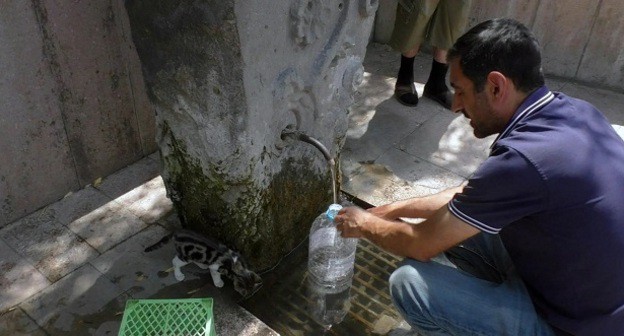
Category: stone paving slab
[77,204]
[417,172]
[58,308]
[148,200]
[50,246]
[129,178]
[16,323]
[372,131]
[107,226]
[136,272]
[388,153]
[18,278]
[447,141]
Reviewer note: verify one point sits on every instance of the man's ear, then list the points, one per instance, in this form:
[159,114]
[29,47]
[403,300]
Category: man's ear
[498,85]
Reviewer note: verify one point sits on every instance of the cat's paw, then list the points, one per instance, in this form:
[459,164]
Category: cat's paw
[179,276]
[218,283]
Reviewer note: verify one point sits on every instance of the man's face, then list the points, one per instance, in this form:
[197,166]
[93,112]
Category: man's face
[474,105]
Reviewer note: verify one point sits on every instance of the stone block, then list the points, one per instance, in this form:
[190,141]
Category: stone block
[521,10]
[563,30]
[37,168]
[603,59]
[418,172]
[94,83]
[397,175]
[145,113]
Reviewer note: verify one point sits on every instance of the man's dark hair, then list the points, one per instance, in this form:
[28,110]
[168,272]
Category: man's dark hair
[503,45]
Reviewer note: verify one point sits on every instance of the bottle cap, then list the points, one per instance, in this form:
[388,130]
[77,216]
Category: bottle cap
[332,211]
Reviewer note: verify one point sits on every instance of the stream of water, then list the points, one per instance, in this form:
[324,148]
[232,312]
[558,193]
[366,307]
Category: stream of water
[332,167]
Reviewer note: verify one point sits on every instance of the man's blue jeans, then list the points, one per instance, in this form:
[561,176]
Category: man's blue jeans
[482,295]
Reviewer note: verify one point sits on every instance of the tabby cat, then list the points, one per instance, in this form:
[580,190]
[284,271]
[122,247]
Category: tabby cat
[209,254]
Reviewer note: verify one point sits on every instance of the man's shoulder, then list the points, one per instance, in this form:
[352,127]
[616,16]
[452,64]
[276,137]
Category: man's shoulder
[558,129]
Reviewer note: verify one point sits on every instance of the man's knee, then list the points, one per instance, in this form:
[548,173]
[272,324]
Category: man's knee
[402,278]
[409,292]
[414,284]
[406,284]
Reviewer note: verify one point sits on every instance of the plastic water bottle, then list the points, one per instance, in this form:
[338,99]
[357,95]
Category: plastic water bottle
[330,257]
[330,269]
[328,306]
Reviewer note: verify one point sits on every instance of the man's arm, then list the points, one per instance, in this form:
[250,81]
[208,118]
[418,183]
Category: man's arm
[419,207]
[441,231]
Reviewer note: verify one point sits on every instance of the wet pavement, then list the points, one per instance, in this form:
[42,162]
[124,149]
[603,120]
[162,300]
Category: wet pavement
[69,268]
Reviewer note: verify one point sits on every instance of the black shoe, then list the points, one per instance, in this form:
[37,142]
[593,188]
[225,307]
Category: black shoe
[406,94]
[442,97]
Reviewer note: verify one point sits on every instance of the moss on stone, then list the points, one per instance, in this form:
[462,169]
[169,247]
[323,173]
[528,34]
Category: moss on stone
[263,223]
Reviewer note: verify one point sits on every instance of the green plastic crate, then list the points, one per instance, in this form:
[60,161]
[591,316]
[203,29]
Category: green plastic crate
[168,317]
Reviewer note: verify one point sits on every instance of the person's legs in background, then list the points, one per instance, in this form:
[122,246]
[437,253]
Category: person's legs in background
[436,87]
[447,25]
[410,29]
[440,21]
[405,91]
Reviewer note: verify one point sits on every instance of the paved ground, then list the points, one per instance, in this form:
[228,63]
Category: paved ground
[69,268]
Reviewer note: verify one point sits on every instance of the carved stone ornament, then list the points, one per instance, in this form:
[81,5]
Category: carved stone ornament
[368,7]
[293,100]
[353,75]
[307,20]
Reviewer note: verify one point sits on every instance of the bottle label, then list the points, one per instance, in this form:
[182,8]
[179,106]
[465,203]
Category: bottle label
[322,238]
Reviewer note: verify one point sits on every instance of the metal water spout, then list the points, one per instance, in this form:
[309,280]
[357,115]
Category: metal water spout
[289,134]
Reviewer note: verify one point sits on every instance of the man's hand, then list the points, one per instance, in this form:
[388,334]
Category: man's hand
[352,222]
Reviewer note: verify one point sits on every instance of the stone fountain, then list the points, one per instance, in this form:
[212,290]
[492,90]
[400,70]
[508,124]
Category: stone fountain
[226,78]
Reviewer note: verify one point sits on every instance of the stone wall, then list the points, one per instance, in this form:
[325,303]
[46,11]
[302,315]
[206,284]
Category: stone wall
[581,40]
[72,100]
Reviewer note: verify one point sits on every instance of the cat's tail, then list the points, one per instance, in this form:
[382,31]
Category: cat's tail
[160,243]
